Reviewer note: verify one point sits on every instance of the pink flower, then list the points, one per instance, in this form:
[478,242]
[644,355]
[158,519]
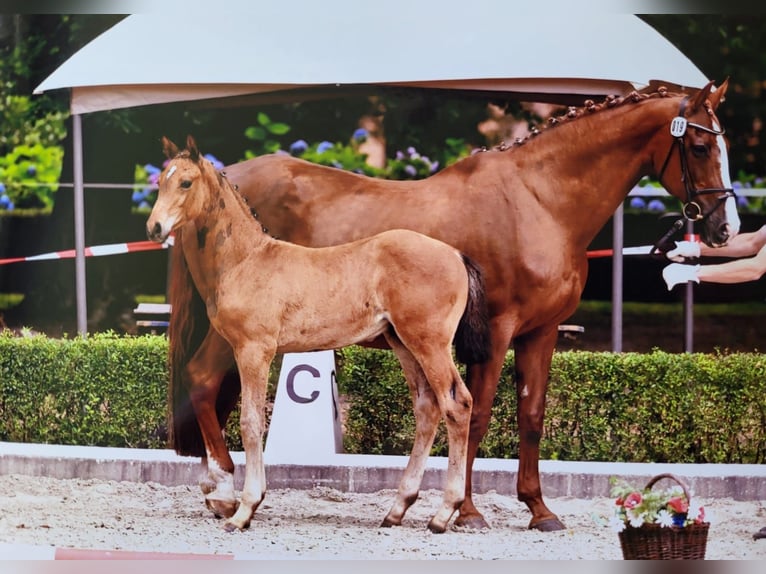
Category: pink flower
[701,516]
[678,505]
[632,500]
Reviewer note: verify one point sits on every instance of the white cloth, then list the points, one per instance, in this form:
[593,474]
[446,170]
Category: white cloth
[684,250]
[676,273]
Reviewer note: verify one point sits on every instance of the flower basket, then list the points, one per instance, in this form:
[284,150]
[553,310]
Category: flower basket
[654,541]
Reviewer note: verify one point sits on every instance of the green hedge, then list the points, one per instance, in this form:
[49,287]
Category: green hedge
[102,390]
[110,390]
[658,407]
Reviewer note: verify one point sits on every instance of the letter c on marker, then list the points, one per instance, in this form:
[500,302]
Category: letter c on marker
[295,397]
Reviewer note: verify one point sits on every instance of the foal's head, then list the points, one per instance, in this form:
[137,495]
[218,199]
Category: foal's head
[184,186]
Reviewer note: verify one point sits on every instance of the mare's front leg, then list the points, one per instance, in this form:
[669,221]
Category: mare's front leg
[534,352]
[205,372]
[253,361]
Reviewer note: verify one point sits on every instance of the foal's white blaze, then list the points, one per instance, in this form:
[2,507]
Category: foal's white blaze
[730,207]
[171,171]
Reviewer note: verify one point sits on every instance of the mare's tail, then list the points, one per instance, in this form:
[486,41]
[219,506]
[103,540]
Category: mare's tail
[187,329]
[472,340]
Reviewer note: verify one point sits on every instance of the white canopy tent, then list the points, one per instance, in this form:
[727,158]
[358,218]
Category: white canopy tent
[288,49]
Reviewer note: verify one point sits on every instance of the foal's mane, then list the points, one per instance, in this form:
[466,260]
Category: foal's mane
[588,108]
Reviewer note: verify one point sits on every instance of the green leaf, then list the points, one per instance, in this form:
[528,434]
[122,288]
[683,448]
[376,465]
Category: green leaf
[278,128]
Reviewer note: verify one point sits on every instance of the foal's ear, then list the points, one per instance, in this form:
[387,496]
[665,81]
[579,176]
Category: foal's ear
[169,148]
[191,146]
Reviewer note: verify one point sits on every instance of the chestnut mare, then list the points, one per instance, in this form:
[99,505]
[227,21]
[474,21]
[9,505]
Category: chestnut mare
[266,296]
[526,214]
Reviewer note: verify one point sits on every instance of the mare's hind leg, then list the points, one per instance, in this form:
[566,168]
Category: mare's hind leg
[426,423]
[205,372]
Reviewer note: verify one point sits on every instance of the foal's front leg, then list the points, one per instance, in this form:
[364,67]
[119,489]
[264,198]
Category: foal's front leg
[253,362]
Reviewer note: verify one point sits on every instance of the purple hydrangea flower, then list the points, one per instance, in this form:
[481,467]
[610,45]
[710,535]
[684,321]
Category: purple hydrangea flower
[217,164]
[324,146]
[2,188]
[637,203]
[6,203]
[153,168]
[298,147]
[656,205]
[410,170]
[32,170]
[360,135]
[742,201]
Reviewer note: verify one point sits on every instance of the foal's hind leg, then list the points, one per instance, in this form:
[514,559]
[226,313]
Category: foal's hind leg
[455,403]
[426,423]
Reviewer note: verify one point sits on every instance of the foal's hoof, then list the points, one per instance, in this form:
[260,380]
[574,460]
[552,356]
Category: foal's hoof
[760,534]
[472,522]
[437,528]
[230,527]
[389,522]
[547,525]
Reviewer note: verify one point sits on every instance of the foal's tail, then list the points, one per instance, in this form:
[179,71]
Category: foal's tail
[472,341]
[187,329]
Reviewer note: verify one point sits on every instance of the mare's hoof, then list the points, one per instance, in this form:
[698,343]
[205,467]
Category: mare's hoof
[221,508]
[760,534]
[472,522]
[206,486]
[547,525]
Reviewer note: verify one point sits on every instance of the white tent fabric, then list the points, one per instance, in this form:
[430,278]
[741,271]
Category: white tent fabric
[273,46]
[211,51]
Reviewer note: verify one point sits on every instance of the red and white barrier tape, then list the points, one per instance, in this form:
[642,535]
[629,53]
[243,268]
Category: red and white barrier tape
[95,251]
[639,250]
[136,246]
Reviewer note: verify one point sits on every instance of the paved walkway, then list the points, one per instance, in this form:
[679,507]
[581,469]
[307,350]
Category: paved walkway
[370,473]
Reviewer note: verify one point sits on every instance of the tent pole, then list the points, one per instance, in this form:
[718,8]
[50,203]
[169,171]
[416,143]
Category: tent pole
[79,227]
[618,242]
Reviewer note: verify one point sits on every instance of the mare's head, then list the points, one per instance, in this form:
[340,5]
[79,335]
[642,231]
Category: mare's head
[184,186]
[692,164]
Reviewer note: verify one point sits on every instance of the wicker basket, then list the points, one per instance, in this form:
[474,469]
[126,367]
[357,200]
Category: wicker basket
[654,542]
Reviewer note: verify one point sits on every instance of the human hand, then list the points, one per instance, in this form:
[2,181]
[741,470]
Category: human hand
[684,250]
[676,273]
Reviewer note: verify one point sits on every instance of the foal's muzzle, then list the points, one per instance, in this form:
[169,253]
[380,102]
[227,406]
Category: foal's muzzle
[155,232]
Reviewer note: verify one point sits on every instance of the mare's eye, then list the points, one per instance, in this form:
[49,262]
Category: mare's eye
[699,150]
[186,184]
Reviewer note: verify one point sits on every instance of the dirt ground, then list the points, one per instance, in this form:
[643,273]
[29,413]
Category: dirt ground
[326,524]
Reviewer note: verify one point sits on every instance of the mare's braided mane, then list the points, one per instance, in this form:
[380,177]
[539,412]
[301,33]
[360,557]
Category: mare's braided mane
[589,107]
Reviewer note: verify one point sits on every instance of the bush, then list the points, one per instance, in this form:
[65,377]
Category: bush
[656,407]
[102,390]
[110,390]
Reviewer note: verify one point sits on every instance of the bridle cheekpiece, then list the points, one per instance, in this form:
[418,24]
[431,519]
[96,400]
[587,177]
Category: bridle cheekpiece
[692,210]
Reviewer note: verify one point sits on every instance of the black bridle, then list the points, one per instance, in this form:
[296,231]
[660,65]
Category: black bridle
[692,210]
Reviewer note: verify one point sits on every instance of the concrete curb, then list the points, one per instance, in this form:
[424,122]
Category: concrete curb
[371,473]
